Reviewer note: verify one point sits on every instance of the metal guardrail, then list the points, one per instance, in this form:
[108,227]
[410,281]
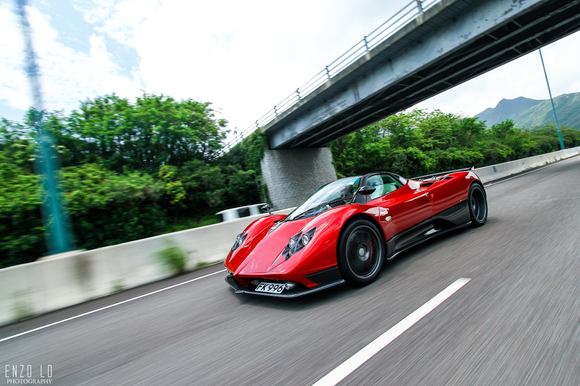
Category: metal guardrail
[370,41]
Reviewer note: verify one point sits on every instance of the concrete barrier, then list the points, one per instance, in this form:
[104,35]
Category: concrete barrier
[64,280]
[61,281]
[507,169]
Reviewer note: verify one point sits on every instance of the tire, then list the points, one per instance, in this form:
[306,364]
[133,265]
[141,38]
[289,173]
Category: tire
[477,203]
[361,252]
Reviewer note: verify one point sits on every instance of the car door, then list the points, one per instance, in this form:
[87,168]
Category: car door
[405,207]
[446,193]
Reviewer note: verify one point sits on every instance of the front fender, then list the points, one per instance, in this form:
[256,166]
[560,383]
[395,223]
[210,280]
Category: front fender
[320,253]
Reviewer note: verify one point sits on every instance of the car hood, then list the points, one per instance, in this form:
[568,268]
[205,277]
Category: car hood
[267,252]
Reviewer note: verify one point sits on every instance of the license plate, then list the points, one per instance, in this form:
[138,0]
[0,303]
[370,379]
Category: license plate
[272,288]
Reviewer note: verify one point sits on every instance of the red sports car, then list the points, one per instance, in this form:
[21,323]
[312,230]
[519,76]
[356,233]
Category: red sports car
[346,231]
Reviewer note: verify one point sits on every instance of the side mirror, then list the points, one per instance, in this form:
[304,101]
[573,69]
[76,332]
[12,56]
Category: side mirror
[366,190]
[266,208]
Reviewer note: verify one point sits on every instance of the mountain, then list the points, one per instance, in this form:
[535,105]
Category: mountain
[529,113]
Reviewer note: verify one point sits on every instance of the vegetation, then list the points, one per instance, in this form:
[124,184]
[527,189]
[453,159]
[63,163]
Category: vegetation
[421,142]
[129,170]
[174,258]
[134,170]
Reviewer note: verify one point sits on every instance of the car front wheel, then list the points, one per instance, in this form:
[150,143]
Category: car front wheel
[361,252]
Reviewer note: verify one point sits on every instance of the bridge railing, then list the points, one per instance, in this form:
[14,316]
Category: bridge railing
[370,41]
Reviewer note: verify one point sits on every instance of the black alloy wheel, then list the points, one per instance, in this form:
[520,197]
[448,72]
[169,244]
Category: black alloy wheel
[361,252]
[477,205]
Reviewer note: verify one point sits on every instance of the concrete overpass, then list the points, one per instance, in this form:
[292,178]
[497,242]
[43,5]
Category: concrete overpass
[429,50]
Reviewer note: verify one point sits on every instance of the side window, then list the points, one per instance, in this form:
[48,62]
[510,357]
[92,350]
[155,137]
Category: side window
[390,183]
[384,184]
[375,181]
[349,191]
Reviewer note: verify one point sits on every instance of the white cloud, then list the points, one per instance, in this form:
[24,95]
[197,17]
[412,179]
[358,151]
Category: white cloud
[12,82]
[118,19]
[244,56]
[68,76]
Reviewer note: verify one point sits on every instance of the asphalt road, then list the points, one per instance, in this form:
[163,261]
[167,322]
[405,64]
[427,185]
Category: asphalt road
[516,322]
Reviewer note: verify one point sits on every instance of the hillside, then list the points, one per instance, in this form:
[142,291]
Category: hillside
[529,113]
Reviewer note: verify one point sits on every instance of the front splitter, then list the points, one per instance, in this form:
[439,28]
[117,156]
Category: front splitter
[290,295]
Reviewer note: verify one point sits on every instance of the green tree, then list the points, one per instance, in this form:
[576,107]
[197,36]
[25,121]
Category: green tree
[154,131]
[142,168]
[419,142]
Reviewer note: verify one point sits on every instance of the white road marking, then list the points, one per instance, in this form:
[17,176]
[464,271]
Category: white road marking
[111,306]
[367,352]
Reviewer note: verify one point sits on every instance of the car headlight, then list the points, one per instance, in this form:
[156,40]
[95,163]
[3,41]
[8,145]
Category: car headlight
[297,242]
[239,240]
[306,237]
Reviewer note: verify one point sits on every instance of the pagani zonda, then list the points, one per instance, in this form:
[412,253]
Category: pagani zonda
[346,231]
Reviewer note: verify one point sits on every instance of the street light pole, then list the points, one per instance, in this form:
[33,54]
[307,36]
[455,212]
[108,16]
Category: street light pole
[56,221]
[552,101]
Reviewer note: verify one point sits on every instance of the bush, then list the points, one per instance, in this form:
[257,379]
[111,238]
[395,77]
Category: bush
[174,258]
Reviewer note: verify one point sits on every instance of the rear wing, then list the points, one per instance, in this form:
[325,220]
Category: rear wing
[427,176]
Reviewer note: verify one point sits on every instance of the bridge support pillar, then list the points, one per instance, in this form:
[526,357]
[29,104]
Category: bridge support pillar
[292,175]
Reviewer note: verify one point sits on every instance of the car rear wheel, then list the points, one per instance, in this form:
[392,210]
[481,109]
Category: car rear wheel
[477,205]
[361,252]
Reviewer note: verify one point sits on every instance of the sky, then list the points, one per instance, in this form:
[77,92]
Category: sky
[242,56]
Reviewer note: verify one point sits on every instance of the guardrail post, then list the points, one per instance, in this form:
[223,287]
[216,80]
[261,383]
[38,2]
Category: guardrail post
[298,93]
[419,5]
[275,110]
[327,72]
[257,125]
[365,41]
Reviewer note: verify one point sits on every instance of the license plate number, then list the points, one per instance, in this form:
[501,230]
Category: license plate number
[272,288]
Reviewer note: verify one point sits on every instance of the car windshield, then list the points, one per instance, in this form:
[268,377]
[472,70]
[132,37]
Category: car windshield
[336,193]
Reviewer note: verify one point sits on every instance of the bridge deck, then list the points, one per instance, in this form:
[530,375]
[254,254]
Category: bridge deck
[452,42]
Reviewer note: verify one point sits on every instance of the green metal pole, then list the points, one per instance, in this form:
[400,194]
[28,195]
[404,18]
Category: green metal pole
[56,221]
[560,137]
